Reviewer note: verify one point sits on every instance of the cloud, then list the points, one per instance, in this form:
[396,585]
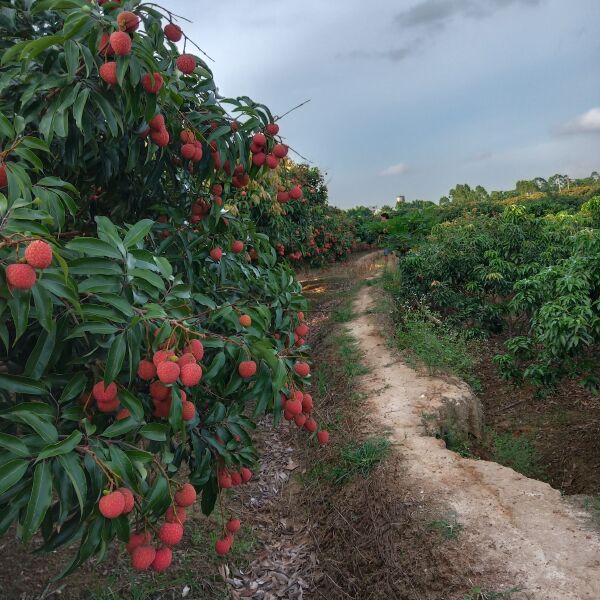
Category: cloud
[438,13]
[480,157]
[588,122]
[393,54]
[392,170]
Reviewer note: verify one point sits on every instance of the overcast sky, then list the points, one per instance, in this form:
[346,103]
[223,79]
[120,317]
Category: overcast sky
[413,96]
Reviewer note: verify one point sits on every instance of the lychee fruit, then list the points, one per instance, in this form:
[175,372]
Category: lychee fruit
[104,47]
[302,369]
[108,407]
[283,197]
[300,419]
[247,368]
[39,254]
[20,277]
[246,474]
[323,437]
[300,316]
[176,514]
[108,72]
[143,557]
[112,505]
[162,559]
[223,546]
[272,129]
[129,499]
[272,161]
[137,539]
[128,21]
[157,122]
[237,247]
[120,43]
[294,407]
[173,32]
[191,374]
[310,425]
[123,414]
[160,137]
[196,348]
[159,392]
[152,82]
[162,355]
[186,496]
[233,525]
[280,150]
[259,159]
[186,359]
[296,193]
[104,394]
[236,479]
[186,63]
[188,410]
[168,372]
[187,137]
[146,370]
[307,403]
[302,330]
[245,320]
[259,139]
[170,534]
[188,151]
[225,481]
[216,254]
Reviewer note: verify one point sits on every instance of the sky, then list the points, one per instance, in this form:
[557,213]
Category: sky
[410,97]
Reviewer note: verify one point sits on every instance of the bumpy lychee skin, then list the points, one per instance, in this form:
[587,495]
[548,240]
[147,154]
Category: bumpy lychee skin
[120,43]
[129,499]
[186,358]
[283,197]
[258,160]
[186,63]
[259,139]
[152,82]
[161,356]
[237,247]
[300,420]
[294,407]
[176,515]
[302,330]
[162,560]
[296,193]
[245,320]
[104,394]
[307,403]
[216,254]
[233,525]
[158,392]
[188,151]
[246,474]
[123,414]
[323,437]
[196,348]
[191,374]
[39,254]
[143,557]
[173,32]
[310,425]
[108,72]
[170,534]
[223,546]
[137,539]
[302,369]
[187,137]
[160,137]
[300,316]
[146,370]
[188,411]
[168,372]
[225,480]
[157,122]
[128,21]
[236,479]
[20,277]
[247,368]
[108,407]
[112,506]
[272,129]
[186,496]
[104,47]
[272,161]
[280,150]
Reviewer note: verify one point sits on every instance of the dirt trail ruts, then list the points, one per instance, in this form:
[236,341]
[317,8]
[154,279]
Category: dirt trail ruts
[518,528]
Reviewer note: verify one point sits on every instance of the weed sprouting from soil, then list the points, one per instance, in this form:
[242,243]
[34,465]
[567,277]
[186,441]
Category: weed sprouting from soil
[477,593]
[517,453]
[449,528]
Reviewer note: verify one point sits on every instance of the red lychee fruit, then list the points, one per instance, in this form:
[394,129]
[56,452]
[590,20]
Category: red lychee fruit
[272,161]
[128,21]
[191,374]
[188,410]
[187,137]
[146,370]
[186,496]
[246,474]
[173,32]
[196,348]
[177,514]
[259,159]
[233,525]
[160,137]
[140,538]
[300,420]
[307,403]
[223,546]
[302,330]
[259,139]
[302,369]
[152,82]
[272,129]
[188,151]
[108,407]
[104,394]
[225,481]
[159,392]
[104,47]
[161,356]
[245,320]
[280,150]
[216,254]
[283,197]
[186,63]
[162,559]
[217,189]
[168,372]
[294,407]
[236,479]
[247,368]
[108,72]
[198,152]
[143,557]
[39,254]
[310,425]
[323,437]
[112,505]
[157,122]
[129,499]
[20,277]
[170,534]
[186,359]
[123,414]
[237,247]
[300,316]
[296,193]
[120,42]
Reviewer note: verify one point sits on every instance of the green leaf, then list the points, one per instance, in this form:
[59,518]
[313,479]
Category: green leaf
[45,430]
[138,232]
[116,356]
[94,247]
[70,463]
[39,501]
[22,385]
[43,307]
[155,432]
[11,473]
[63,447]
[79,107]
[41,353]
[14,445]
[74,387]
[119,428]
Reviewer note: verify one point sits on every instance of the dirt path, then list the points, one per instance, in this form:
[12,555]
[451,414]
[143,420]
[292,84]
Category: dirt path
[520,529]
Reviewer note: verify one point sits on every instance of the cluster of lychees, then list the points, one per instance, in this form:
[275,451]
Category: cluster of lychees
[191,148]
[284,196]
[22,276]
[265,150]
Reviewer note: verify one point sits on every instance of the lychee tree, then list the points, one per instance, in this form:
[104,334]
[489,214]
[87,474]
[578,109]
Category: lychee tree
[144,323]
